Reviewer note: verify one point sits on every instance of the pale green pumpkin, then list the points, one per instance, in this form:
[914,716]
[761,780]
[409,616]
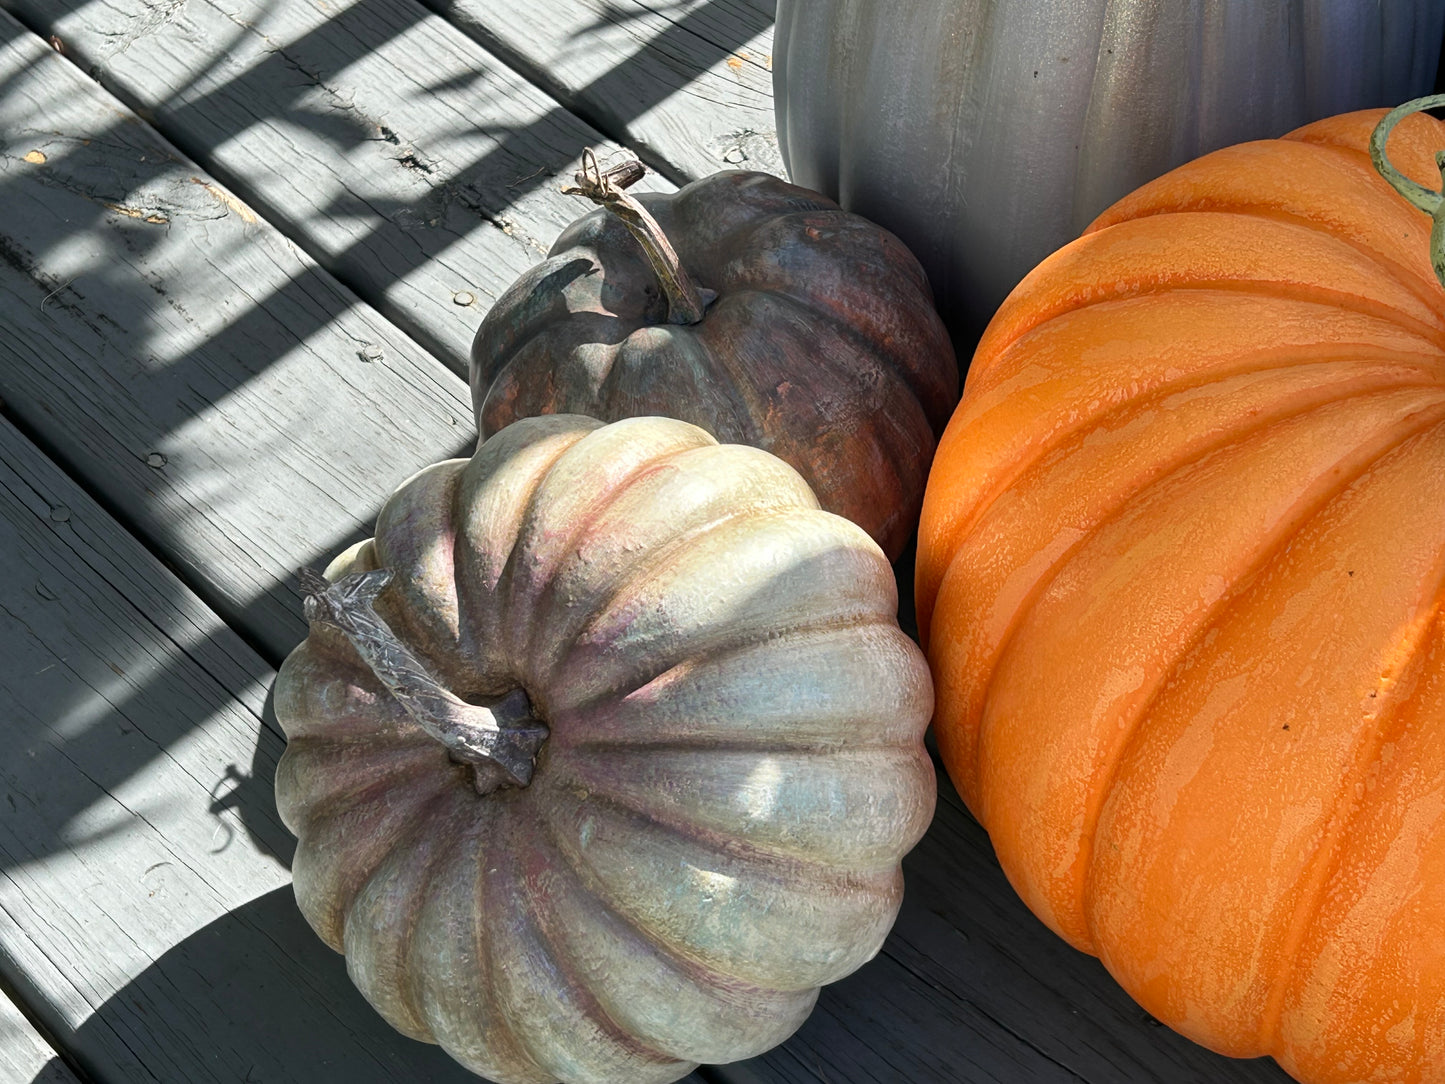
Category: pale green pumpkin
[708,735]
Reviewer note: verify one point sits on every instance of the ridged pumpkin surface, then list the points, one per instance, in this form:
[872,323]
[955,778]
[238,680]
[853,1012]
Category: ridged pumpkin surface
[1180,583]
[821,344]
[733,770]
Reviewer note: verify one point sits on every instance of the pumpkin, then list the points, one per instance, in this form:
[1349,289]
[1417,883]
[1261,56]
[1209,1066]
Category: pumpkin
[986,134]
[757,310]
[603,752]
[1181,581]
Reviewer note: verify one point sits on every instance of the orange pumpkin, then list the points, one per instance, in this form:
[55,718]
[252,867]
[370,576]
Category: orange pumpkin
[1180,579]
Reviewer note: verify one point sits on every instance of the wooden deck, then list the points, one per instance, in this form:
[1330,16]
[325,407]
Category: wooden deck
[244,245]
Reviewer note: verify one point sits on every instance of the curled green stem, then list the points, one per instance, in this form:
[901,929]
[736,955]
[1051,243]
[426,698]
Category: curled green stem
[1426,199]
[686,303]
[500,740]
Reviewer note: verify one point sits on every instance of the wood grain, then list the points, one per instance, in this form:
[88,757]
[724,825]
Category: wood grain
[396,151]
[25,1056]
[145,910]
[229,401]
[688,85]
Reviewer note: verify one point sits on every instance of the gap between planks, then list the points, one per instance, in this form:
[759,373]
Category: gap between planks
[688,87]
[25,1055]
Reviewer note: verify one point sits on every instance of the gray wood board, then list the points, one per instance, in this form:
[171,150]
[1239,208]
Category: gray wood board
[688,85]
[25,1056]
[145,912]
[226,398]
[400,154]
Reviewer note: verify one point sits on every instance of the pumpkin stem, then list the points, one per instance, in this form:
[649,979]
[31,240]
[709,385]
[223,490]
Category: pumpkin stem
[500,740]
[685,302]
[1426,199]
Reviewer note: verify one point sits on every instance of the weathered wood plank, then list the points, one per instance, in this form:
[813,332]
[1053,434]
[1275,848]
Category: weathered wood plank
[687,84]
[394,149]
[145,915]
[25,1056]
[229,401]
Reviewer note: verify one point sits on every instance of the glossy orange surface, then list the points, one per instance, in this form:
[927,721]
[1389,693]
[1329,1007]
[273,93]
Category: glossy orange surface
[1180,583]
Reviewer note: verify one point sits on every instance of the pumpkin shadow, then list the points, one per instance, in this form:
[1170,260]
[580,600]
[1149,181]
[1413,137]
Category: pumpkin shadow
[55,1071]
[251,795]
[270,996]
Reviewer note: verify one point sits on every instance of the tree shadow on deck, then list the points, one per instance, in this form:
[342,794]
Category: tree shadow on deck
[132,202]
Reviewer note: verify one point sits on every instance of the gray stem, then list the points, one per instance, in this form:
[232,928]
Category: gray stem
[502,735]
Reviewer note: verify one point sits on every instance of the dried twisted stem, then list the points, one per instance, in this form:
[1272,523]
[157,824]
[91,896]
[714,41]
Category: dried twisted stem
[500,739]
[685,302]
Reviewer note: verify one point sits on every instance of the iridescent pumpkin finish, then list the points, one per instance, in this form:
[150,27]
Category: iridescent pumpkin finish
[758,310]
[603,753]
[988,133]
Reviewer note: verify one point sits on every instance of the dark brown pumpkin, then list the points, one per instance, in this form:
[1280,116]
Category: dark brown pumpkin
[813,335]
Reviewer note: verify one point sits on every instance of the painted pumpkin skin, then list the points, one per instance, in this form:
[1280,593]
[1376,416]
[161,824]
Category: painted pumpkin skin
[821,346]
[733,768]
[988,133]
[1180,580]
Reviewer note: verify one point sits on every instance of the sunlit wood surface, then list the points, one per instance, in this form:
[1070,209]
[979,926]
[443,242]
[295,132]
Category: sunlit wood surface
[244,246]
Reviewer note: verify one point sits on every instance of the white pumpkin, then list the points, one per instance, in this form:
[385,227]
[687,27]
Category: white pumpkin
[727,727]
